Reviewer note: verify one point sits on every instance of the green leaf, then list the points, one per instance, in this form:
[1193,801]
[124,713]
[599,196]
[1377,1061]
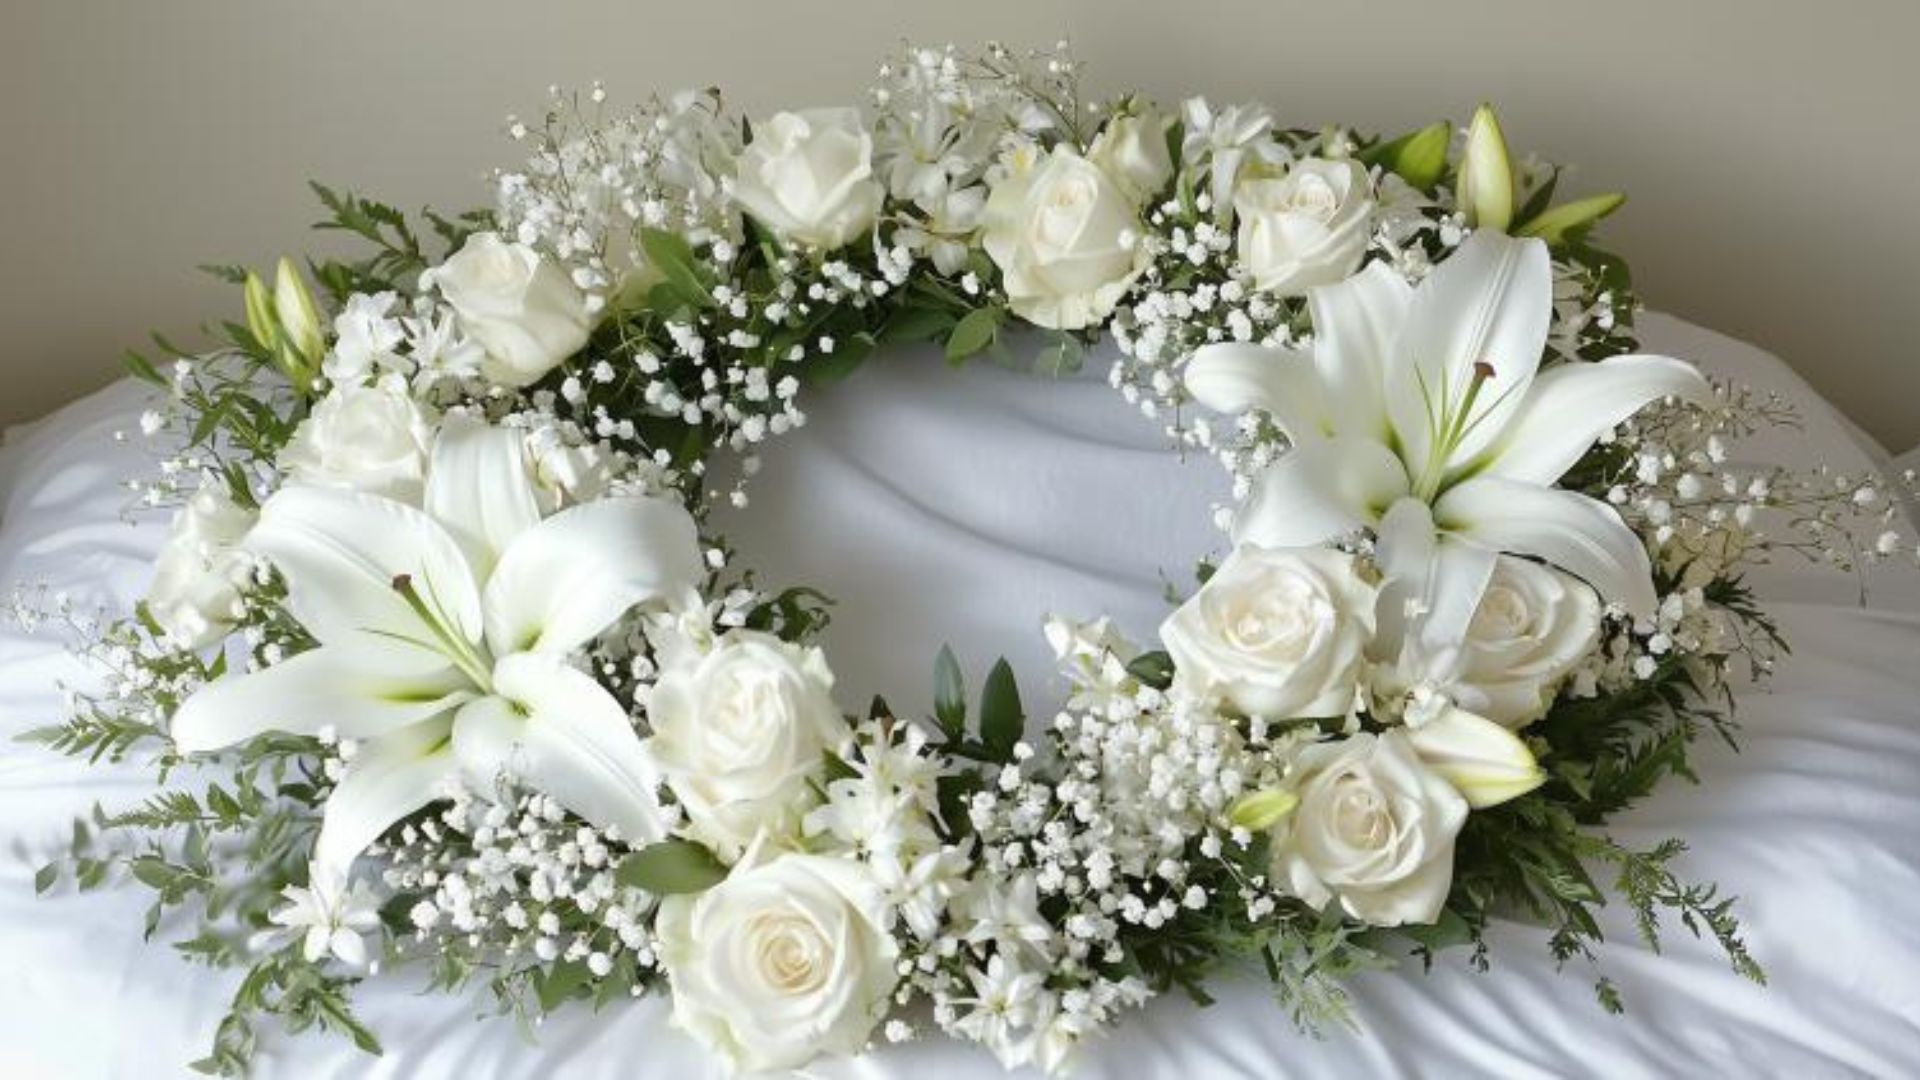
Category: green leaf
[1445,932]
[44,878]
[834,767]
[1155,669]
[915,323]
[949,694]
[973,333]
[1002,720]
[560,982]
[1572,219]
[141,368]
[847,356]
[671,867]
[669,253]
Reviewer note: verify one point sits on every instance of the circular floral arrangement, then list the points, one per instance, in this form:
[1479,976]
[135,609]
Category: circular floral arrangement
[444,664]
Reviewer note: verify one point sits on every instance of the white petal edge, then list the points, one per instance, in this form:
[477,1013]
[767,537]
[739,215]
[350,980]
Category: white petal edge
[359,689]
[1582,536]
[340,552]
[1572,405]
[1490,302]
[479,489]
[1319,490]
[1235,378]
[1355,324]
[568,578]
[389,778]
[1433,586]
[561,733]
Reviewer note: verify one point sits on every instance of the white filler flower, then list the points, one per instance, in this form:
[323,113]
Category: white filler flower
[443,637]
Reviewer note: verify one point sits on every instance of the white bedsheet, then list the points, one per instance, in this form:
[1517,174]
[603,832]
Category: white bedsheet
[961,507]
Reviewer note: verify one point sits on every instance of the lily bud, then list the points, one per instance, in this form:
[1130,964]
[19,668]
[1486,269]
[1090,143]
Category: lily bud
[1485,762]
[299,318]
[1483,187]
[1261,810]
[260,317]
[1554,225]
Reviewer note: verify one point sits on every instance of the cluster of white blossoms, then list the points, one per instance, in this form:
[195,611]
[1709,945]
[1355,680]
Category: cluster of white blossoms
[443,603]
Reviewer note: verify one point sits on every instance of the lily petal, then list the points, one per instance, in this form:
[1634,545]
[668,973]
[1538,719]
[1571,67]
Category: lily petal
[563,734]
[1319,490]
[1355,323]
[1485,762]
[1236,377]
[1433,586]
[389,778]
[569,577]
[360,689]
[1582,536]
[478,487]
[340,552]
[1487,307]
[1572,405]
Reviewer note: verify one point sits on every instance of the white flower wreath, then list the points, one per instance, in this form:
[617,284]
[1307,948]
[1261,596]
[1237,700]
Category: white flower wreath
[486,692]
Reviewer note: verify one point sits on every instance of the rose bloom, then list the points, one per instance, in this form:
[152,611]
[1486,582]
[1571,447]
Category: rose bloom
[1132,148]
[739,730]
[786,959]
[1065,237]
[368,438]
[1305,229]
[1275,633]
[808,176]
[1374,828]
[1533,626]
[519,306]
[195,593]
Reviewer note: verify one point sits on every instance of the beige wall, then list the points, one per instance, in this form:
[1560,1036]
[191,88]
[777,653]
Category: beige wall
[1770,148]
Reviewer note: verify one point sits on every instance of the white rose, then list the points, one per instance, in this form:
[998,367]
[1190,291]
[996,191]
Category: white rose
[1305,229]
[195,594]
[1132,149]
[369,438]
[808,176]
[520,307]
[739,730]
[1275,633]
[786,959]
[1534,625]
[1065,237]
[1374,827]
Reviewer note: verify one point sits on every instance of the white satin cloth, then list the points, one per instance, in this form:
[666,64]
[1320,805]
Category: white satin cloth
[961,507]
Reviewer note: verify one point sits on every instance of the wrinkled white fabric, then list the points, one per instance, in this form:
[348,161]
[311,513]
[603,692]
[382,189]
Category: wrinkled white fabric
[961,507]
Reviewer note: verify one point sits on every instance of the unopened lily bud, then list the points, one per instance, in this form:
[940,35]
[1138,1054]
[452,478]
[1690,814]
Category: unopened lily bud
[299,318]
[1484,186]
[1261,810]
[1485,762]
[260,317]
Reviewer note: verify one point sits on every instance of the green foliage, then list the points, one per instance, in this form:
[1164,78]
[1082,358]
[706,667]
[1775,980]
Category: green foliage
[670,867]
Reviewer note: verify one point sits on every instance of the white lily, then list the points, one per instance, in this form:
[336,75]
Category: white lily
[442,639]
[1423,414]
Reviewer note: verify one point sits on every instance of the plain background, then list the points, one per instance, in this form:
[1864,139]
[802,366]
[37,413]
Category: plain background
[1770,149]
